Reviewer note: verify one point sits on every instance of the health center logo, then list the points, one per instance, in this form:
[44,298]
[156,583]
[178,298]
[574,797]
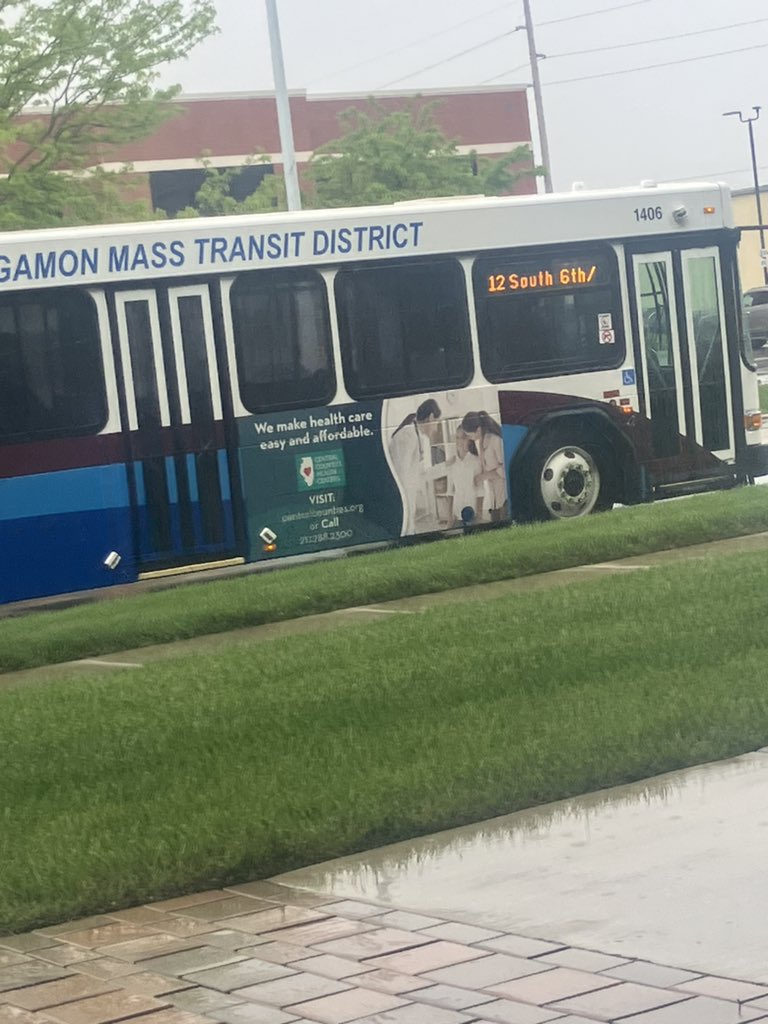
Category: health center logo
[307,470]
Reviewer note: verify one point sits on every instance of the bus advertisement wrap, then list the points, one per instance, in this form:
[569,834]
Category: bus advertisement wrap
[340,475]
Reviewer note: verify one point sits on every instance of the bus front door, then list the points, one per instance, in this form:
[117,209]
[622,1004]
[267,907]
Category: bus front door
[684,363]
[175,428]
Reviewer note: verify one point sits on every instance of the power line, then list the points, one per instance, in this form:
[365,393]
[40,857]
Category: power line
[588,14]
[501,35]
[665,64]
[712,175]
[414,42]
[658,39]
[455,56]
[509,71]
[621,46]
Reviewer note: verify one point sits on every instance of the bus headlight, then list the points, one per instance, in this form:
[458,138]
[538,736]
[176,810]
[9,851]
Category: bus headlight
[753,420]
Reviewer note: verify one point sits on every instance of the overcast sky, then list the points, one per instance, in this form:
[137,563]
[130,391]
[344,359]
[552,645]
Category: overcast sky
[663,122]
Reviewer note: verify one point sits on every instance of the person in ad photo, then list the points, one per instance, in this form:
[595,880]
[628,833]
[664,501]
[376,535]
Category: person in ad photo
[486,434]
[464,483]
[410,450]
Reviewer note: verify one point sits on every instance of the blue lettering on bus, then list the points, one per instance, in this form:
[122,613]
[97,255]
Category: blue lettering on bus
[90,261]
[177,257]
[22,269]
[366,238]
[44,266]
[125,258]
[250,248]
[118,259]
[68,263]
[136,258]
[140,259]
[218,249]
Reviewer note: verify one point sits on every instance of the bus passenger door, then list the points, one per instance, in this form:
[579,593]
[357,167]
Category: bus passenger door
[708,352]
[684,360]
[175,426]
[660,343]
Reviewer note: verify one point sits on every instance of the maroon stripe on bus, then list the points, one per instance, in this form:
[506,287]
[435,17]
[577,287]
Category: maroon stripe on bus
[30,457]
[178,440]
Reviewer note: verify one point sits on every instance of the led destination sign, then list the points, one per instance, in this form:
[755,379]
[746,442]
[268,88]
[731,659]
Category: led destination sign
[573,275]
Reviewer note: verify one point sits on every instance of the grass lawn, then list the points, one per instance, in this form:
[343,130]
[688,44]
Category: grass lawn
[255,760]
[204,608]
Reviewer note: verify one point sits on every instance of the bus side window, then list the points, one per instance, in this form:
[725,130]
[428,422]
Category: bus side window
[282,340]
[548,315]
[51,373]
[404,328]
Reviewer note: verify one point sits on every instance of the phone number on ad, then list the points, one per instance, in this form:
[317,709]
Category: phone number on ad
[322,538]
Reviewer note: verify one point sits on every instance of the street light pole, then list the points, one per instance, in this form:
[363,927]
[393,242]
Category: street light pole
[748,121]
[537,99]
[290,173]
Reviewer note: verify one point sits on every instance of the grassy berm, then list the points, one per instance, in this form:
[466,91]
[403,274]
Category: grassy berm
[257,759]
[213,607]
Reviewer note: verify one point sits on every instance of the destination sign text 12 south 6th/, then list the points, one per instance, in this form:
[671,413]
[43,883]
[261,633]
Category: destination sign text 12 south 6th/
[572,276]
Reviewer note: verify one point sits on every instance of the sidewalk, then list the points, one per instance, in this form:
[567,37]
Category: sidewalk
[618,906]
[264,953]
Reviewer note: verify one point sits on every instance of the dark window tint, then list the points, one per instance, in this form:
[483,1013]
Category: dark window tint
[541,316]
[139,326]
[282,340]
[195,358]
[51,374]
[404,328]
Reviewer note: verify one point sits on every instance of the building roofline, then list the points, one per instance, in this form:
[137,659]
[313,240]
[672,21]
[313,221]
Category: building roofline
[360,95]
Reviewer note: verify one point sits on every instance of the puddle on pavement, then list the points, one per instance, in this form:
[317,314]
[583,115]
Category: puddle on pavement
[670,869]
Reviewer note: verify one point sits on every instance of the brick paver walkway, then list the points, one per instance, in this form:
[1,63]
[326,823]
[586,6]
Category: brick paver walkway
[263,953]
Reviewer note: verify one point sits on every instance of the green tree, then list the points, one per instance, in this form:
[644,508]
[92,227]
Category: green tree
[387,157]
[77,78]
[214,197]
[380,158]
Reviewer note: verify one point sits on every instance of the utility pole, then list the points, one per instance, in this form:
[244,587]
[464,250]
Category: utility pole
[748,121]
[534,57]
[283,110]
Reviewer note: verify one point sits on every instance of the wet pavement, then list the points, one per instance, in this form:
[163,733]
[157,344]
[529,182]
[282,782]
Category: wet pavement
[670,869]
[645,903]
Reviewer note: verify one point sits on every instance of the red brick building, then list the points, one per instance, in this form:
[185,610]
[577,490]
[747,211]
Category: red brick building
[229,129]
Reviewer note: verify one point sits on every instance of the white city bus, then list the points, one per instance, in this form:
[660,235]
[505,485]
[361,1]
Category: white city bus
[210,391]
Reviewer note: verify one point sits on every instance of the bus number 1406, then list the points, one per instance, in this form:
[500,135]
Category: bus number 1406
[648,213]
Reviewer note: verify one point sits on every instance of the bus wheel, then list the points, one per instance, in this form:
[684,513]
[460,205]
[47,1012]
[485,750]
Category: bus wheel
[567,482]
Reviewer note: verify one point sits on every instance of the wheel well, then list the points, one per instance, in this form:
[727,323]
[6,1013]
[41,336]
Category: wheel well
[594,430]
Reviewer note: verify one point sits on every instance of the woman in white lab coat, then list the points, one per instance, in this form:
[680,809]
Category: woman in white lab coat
[410,449]
[486,433]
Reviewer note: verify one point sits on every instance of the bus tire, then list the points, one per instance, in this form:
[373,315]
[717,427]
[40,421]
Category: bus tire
[565,480]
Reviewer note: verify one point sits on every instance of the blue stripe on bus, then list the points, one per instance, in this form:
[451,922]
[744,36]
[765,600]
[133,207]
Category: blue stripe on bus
[141,491]
[172,483]
[63,492]
[512,436]
[226,491]
[194,493]
[58,554]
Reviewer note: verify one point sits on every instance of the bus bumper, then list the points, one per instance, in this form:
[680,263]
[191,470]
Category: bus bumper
[755,460]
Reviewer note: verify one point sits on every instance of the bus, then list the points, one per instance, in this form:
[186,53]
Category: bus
[188,394]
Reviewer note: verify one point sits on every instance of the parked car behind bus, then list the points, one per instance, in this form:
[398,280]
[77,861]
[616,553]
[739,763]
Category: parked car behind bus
[756,315]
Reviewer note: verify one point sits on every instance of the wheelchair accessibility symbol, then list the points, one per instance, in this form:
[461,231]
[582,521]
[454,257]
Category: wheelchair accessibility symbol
[628,378]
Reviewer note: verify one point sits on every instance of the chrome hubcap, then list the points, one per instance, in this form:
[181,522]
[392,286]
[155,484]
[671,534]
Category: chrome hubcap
[570,483]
